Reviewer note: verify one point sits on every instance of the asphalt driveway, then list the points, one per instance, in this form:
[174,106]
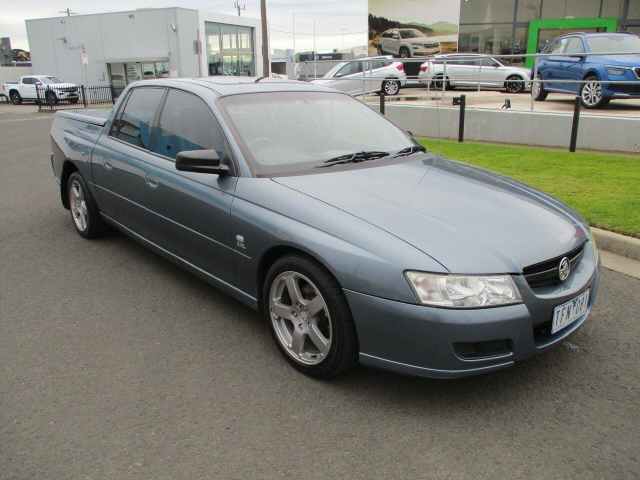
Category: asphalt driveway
[115,364]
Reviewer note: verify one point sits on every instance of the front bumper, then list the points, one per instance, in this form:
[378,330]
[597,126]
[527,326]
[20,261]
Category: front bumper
[432,342]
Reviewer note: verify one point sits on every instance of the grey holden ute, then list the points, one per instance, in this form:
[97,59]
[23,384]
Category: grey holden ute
[354,243]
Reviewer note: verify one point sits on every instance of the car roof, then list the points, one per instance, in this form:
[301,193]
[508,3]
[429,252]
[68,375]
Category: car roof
[229,85]
[594,34]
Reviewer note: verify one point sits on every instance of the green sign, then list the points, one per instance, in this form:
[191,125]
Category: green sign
[609,24]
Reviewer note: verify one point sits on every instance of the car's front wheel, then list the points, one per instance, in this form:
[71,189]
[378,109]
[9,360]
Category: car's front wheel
[84,211]
[309,317]
[592,93]
[514,84]
[391,87]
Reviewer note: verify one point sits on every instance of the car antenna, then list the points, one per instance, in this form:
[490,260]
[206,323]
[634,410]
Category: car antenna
[260,78]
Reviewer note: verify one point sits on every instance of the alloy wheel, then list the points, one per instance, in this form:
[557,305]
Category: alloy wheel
[78,205]
[391,87]
[300,318]
[591,93]
[515,85]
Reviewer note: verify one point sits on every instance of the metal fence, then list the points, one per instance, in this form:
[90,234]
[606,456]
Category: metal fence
[51,98]
[434,88]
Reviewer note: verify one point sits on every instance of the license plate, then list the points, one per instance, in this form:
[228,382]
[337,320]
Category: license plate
[567,313]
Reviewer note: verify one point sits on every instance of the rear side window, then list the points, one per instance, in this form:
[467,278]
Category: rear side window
[186,123]
[28,81]
[350,69]
[134,123]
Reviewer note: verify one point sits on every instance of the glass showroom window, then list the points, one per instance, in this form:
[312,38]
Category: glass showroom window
[229,49]
[487,11]
[570,8]
[613,8]
[493,39]
[528,10]
[634,10]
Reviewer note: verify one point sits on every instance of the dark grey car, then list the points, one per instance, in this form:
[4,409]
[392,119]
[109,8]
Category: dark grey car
[353,242]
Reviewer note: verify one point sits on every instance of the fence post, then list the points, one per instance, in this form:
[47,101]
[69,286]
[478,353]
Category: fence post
[382,102]
[113,97]
[462,102]
[84,96]
[575,124]
[38,101]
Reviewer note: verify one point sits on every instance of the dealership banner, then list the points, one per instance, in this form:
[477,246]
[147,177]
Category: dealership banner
[413,28]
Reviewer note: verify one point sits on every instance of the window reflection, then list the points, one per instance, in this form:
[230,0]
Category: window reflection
[229,49]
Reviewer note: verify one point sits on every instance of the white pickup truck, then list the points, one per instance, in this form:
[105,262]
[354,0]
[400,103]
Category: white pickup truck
[43,88]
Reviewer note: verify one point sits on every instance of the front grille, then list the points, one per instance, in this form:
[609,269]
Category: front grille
[545,274]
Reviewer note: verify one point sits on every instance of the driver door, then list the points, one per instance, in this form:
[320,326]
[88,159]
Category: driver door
[350,78]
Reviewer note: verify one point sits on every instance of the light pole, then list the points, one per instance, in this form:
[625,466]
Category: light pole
[266,64]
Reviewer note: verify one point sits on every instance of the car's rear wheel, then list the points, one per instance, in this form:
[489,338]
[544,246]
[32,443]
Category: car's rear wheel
[514,84]
[15,98]
[84,211]
[404,52]
[592,93]
[438,81]
[309,317]
[538,91]
[391,87]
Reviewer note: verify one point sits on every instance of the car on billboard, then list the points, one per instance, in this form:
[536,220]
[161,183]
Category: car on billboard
[366,75]
[473,70]
[598,67]
[407,43]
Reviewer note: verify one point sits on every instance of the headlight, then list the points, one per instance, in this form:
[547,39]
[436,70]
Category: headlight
[464,291]
[616,71]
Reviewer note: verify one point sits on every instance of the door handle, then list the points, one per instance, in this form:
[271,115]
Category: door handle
[151,181]
[108,166]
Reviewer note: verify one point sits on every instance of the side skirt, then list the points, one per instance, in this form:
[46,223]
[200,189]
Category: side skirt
[235,292]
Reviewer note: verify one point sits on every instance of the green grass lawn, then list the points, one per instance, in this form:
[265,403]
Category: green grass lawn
[603,187]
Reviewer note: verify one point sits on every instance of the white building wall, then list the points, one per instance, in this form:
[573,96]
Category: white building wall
[163,34]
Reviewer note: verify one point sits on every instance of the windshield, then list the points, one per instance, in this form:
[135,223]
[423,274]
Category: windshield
[410,33]
[614,44]
[293,132]
[50,80]
[334,70]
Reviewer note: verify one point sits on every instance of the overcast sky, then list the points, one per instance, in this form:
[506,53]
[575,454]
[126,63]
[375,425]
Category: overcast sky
[339,23]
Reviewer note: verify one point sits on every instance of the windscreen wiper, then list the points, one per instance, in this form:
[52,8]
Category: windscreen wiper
[405,152]
[353,158]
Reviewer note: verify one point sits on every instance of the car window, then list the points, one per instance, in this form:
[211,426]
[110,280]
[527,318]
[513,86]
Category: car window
[488,62]
[134,123]
[350,68]
[558,47]
[388,34]
[273,129]
[186,123]
[573,46]
[409,34]
[28,80]
[378,64]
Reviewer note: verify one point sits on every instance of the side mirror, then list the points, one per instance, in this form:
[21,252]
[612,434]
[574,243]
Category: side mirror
[201,161]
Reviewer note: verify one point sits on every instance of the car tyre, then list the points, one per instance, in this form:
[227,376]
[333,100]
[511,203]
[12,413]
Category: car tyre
[592,93]
[404,52]
[50,98]
[436,83]
[15,98]
[538,91]
[514,84]
[390,87]
[84,211]
[312,326]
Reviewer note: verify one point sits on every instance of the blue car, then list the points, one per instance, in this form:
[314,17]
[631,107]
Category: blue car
[355,243]
[597,62]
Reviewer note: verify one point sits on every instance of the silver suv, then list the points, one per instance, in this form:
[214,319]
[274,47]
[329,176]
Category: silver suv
[473,70]
[406,43]
[366,75]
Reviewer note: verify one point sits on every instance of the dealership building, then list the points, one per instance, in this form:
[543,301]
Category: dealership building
[525,26]
[122,47]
